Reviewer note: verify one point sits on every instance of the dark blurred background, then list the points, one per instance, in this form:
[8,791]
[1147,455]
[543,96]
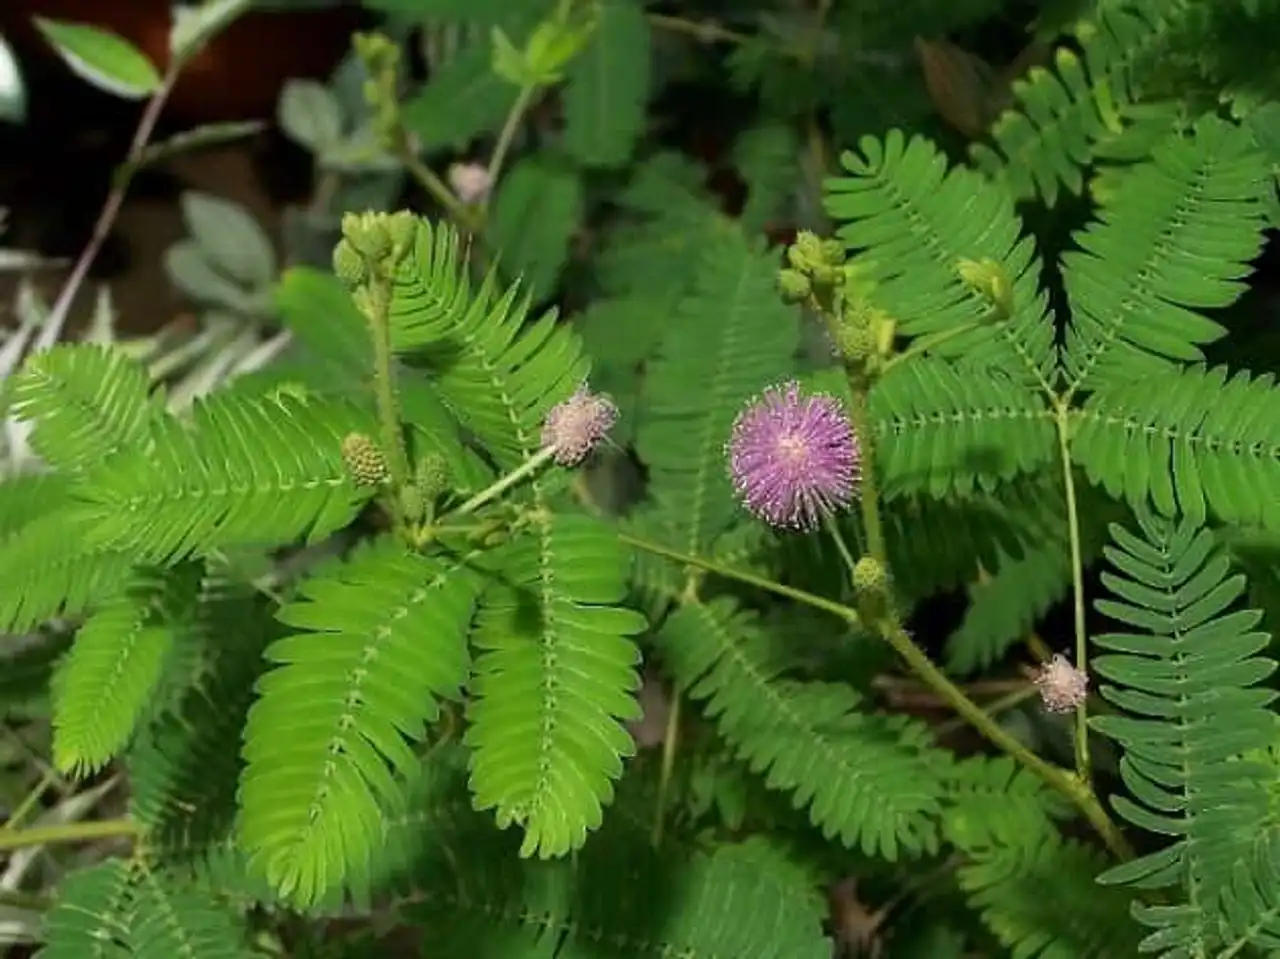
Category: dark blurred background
[56,169]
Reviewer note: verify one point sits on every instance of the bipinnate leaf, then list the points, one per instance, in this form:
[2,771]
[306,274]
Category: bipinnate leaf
[380,642]
[555,679]
[104,684]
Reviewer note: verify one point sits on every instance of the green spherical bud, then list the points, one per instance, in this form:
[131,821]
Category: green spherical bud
[856,342]
[808,246]
[368,234]
[833,252]
[794,286]
[364,460]
[432,475]
[412,503]
[870,576]
[402,227]
[348,265]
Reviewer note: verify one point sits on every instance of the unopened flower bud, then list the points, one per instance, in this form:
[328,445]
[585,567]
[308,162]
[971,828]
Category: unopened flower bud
[412,503]
[348,265]
[990,280]
[794,286]
[365,462]
[1062,687]
[367,233]
[432,475]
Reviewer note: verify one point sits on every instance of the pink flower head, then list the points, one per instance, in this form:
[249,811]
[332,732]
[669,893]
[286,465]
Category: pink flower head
[794,459]
[1062,686]
[574,427]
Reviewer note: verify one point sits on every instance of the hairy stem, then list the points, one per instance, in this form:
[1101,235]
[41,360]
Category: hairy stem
[873,527]
[385,391]
[72,832]
[1081,736]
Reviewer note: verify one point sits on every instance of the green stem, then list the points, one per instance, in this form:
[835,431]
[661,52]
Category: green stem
[1060,779]
[385,392]
[504,483]
[1055,777]
[847,613]
[926,343]
[505,139]
[1077,591]
[68,833]
[834,529]
[869,494]
[707,32]
[670,744]
[437,188]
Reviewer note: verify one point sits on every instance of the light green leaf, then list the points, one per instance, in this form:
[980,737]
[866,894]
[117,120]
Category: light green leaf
[191,273]
[13,92]
[310,114]
[535,214]
[102,58]
[230,239]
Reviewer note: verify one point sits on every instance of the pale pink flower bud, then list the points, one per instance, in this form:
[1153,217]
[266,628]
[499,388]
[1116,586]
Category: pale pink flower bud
[470,181]
[1062,686]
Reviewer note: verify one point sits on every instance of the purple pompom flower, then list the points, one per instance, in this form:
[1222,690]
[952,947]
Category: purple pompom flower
[794,459]
[573,428]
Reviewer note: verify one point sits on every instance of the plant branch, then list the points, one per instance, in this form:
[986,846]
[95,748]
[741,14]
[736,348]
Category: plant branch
[106,221]
[847,613]
[1077,589]
[63,833]
[706,31]
[506,137]
[385,392]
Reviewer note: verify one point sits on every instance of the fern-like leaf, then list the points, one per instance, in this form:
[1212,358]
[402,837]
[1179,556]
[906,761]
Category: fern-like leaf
[1183,682]
[555,679]
[731,339]
[1032,888]
[624,902]
[871,782]
[497,373]
[92,916]
[913,221]
[178,919]
[86,402]
[1192,442]
[1180,236]
[1063,116]
[246,471]
[104,684]
[381,642]
[46,568]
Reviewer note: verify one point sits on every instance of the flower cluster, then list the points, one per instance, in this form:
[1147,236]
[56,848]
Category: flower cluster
[573,428]
[794,458]
[1062,687]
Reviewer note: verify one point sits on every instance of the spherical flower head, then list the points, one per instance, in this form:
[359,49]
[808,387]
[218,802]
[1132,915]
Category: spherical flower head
[1062,686]
[794,459]
[574,427]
